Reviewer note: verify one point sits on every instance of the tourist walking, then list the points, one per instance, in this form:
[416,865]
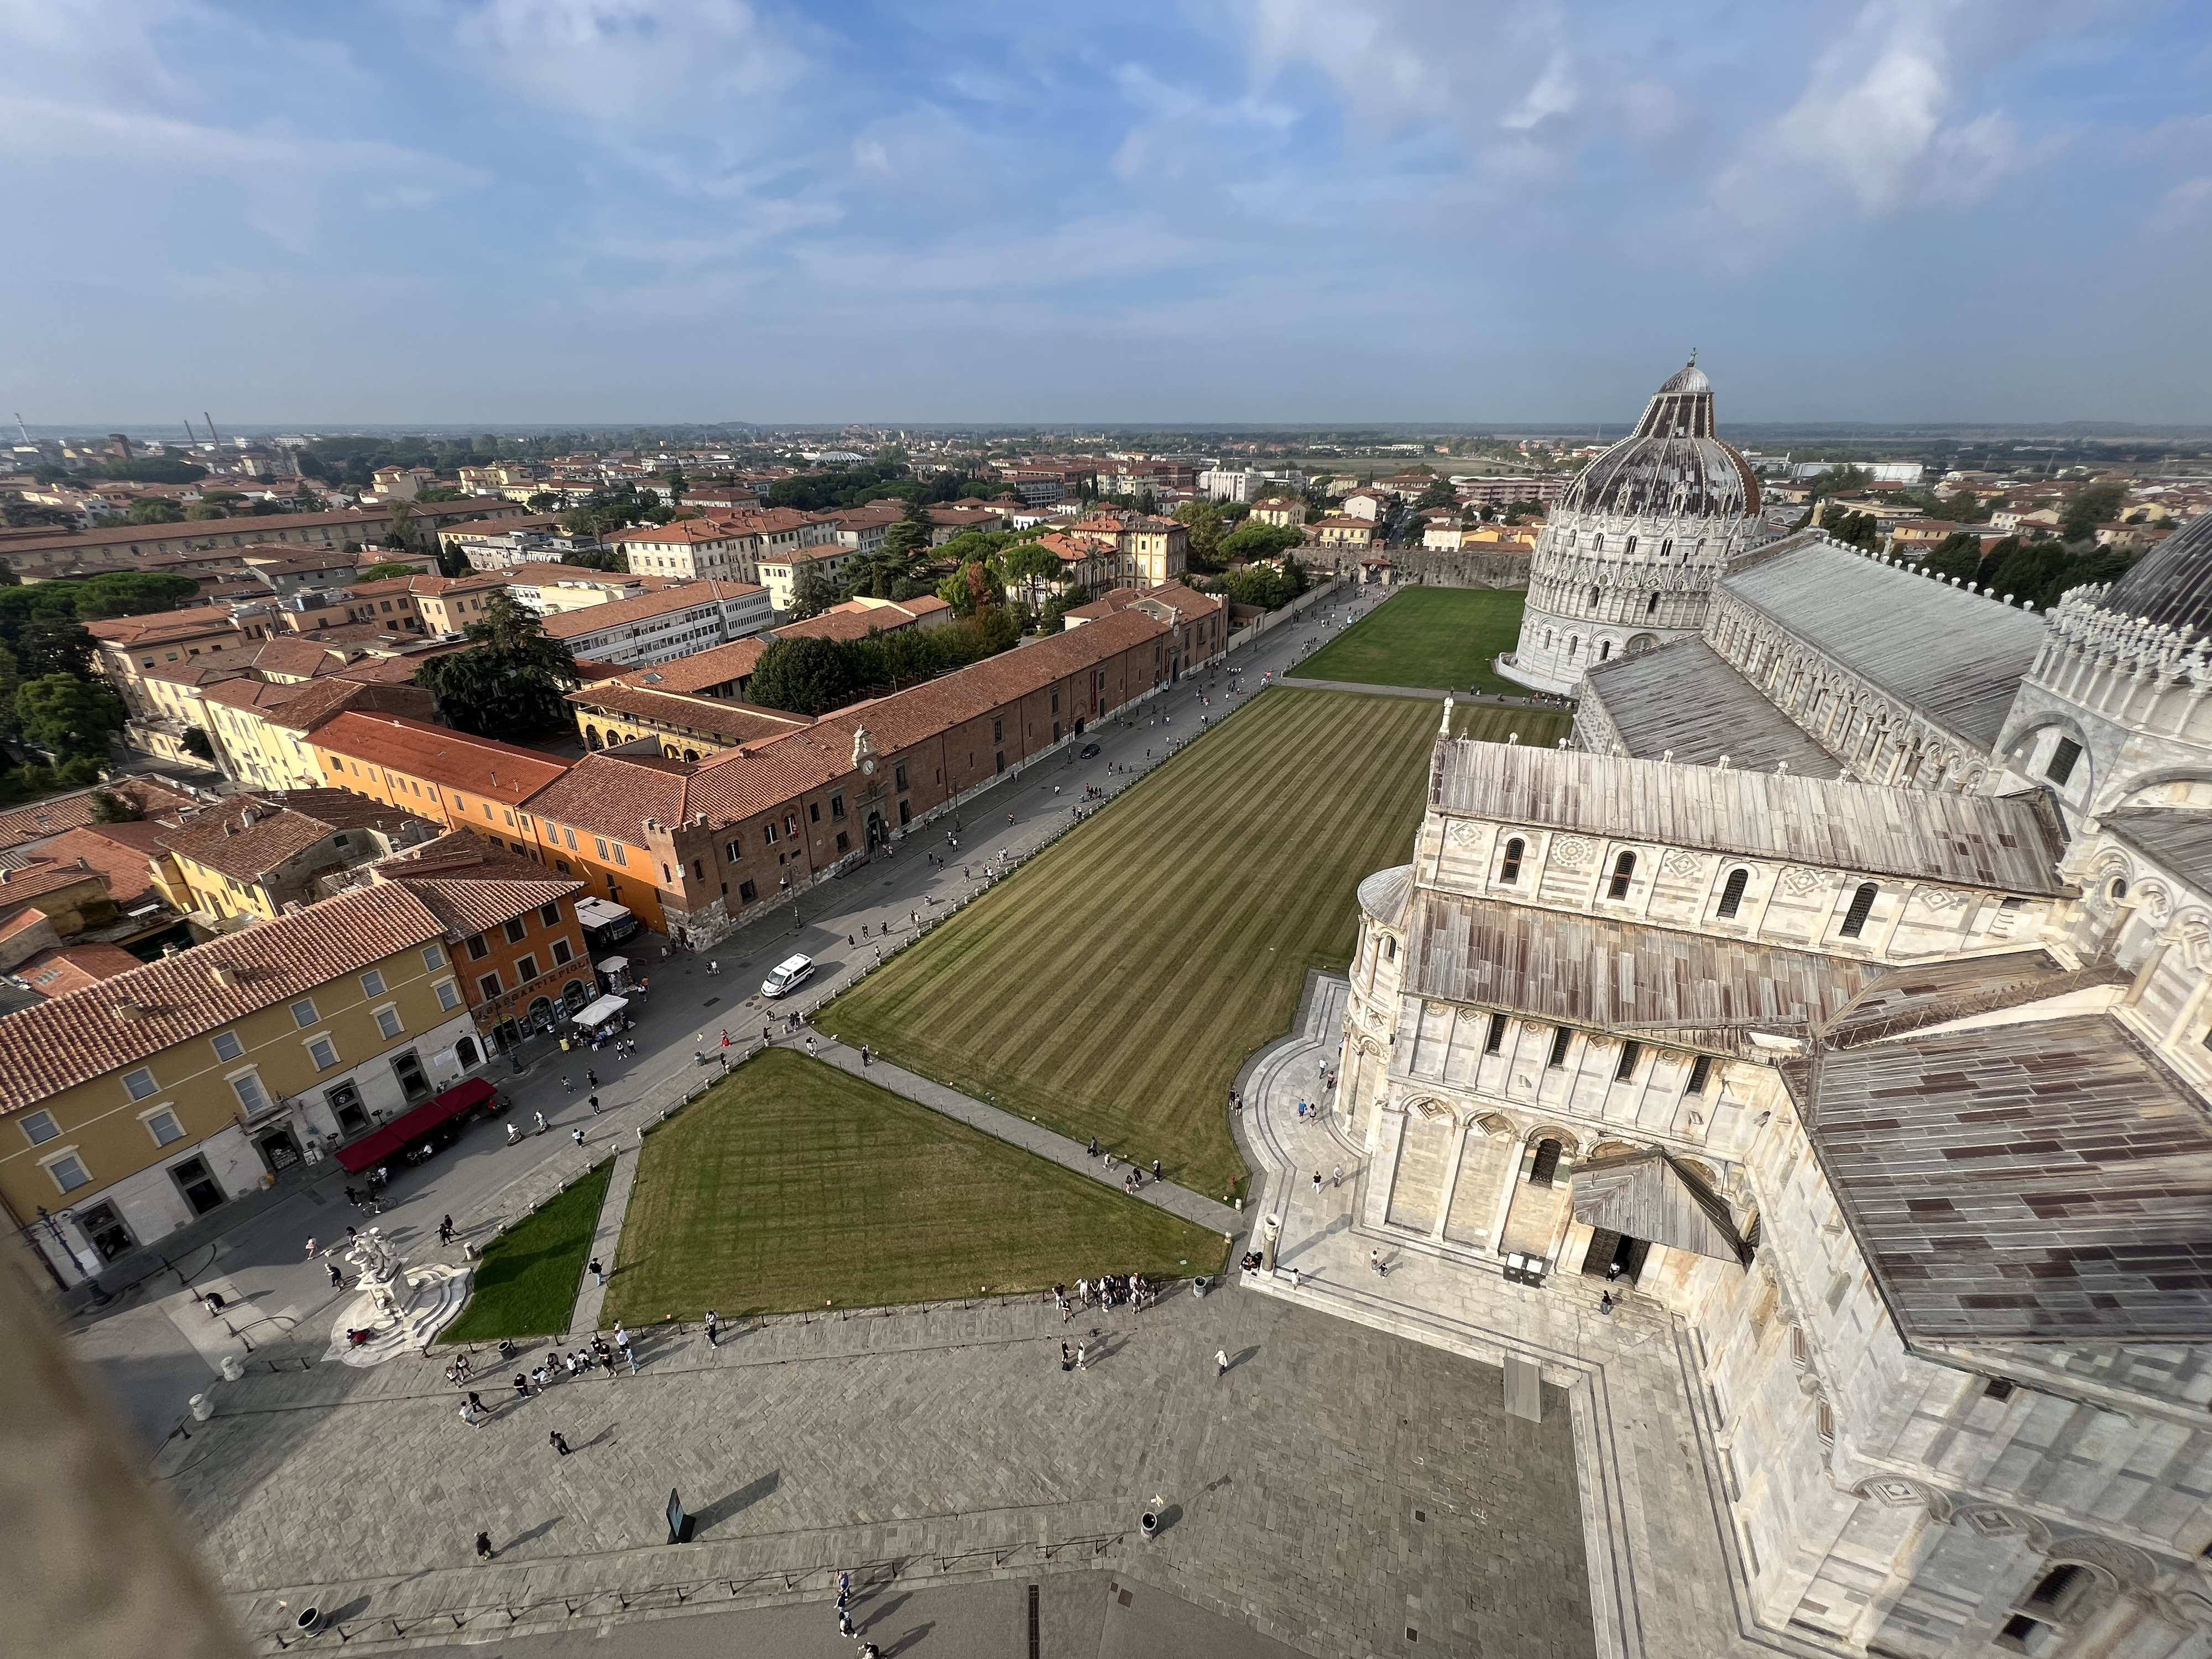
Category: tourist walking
[484,1551]
[598,1273]
[469,1414]
[628,1349]
[445,1230]
[1374,1260]
[713,1326]
[577,1135]
[1220,1363]
[338,1279]
[558,1441]
[1336,1175]
[1316,1183]
[1079,1351]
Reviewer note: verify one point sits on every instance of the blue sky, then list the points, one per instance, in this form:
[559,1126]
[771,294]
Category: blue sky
[523,210]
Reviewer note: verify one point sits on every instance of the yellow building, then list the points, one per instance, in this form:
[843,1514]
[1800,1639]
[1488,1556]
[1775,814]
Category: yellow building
[260,728]
[614,712]
[136,1105]
[248,858]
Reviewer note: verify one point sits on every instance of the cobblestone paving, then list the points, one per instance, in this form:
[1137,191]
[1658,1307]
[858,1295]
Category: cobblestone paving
[1336,1488]
[1665,1579]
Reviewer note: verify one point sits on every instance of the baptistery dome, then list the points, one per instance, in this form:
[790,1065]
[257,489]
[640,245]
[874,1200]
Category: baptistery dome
[1672,464]
[2171,584]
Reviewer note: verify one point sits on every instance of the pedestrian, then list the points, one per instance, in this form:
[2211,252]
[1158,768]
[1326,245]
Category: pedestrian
[568,1084]
[353,1198]
[1374,1260]
[1612,1271]
[1156,1169]
[476,1404]
[628,1349]
[599,1273]
[1220,1363]
[469,1414]
[810,1045]
[1079,1365]
[578,1133]
[591,1080]
[1605,1302]
[845,1582]
[521,1386]
[311,1249]
[445,1230]
[595,1112]
[1316,1183]
[1336,1175]
[713,1328]
[1083,1292]
[484,1551]
[558,1441]
[844,1623]
[849,940]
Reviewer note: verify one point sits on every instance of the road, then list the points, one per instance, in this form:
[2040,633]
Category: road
[155,1347]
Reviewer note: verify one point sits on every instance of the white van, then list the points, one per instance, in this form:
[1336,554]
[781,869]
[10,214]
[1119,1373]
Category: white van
[787,977]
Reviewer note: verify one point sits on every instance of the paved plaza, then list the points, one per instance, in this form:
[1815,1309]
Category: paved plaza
[1338,1487]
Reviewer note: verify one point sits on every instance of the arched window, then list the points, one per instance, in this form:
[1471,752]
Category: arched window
[1855,918]
[1546,1163]
[1624,867]
[2118,890]
[1597,542]
[1666,547]
[1630,548]
[1651,606]
[1508,867]
[1604,651]
[1574,647]
[1547,639]
[1596,595]
[1732,891]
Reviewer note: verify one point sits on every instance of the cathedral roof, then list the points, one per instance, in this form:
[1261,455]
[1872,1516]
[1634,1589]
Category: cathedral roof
[1686,698]
[1648,1194]
[1673,465]
[2040,1181]
[1953,658]
[2011,844]
[2178,839]
[2171,584]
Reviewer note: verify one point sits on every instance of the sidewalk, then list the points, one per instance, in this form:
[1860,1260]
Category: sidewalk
[1665,1575]
[1020,1132]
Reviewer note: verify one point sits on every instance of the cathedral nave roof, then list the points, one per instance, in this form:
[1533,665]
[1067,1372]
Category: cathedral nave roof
[1687,697]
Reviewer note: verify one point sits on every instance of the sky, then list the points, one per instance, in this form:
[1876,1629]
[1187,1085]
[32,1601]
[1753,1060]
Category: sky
[1148,211]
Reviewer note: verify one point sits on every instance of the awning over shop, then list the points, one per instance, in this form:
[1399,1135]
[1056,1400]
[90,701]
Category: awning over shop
[1648,1195]
[413,1126]
[601,1012]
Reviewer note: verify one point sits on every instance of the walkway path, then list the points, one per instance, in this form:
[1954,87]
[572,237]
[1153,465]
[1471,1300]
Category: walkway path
[1030,1136]
[1300,682]
[592,1295]
[1665,1574]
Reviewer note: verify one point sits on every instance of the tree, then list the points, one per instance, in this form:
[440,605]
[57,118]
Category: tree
[153,509]
[1203,520]
[400,532]
[804,675]
[69,715]
[377,573]
[812,593]
[1438,494]
[1025,564]
[678,483]
[44,649]
[1260,541]
[511,679]
[10,681]
[197,743]
[909,537]
[108,807]
[546,501]
[2093,505]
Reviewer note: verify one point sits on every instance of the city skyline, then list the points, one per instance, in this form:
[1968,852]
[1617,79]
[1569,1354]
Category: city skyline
[607,212]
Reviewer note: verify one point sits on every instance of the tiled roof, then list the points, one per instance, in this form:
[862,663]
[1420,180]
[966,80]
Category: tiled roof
[2012,844]
[132,1017]
[251,836]
[680,596]
[477,766]
[72,967]
[679,531]
[839,623]
[41,818]
[2043,1182]
[1686,697]
[614,794]
[308,706]
[713,666]
[473,886]
[122,852]
[46,875]
[716,717]
[159,627]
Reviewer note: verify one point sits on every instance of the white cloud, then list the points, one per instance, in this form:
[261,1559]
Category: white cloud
[1876,123]
[2187,202]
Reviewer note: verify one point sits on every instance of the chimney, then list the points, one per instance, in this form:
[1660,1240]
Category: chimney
[224,974]
[129,1011]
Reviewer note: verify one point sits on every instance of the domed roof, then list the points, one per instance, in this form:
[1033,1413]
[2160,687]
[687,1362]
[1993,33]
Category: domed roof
[1672,465]
[2171,584]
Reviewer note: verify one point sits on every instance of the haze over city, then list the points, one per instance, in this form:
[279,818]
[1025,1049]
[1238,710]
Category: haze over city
[611,210]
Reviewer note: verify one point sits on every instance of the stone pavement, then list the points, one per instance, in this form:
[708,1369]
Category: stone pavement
[1030,1137]
[1665,1574]
[1300,681]
[591,1294]
[1337,1488]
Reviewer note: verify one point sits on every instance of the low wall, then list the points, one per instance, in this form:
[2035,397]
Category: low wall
[1419,566]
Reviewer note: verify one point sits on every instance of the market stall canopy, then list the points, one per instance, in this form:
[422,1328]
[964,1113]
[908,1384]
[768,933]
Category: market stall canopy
[413,1126]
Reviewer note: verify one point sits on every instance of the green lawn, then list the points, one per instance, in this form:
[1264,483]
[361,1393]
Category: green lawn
[792,1184]
[1116,984]
[1440,637]
[1539,727]
[526,1283]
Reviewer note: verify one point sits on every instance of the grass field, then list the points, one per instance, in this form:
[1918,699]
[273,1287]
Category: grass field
[792,1184]
[526,1283]
[1440,637]
[1116,984]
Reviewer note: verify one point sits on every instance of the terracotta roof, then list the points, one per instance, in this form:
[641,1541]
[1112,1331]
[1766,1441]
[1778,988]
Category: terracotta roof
[308,706]
[680,596]
[72,967]
[362,519]
[41,818]
[132,1017]
[30,881]
[614,794]
[839,624]
[477,766]
[713,666]
[157,627]
[692,531]
[473,885]
[717,718]
[252,836]
[126,859]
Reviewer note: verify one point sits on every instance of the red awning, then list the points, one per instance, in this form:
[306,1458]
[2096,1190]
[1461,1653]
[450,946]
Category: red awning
[413,1126]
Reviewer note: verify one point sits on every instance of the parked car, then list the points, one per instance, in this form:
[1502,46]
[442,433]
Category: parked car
[1089,751]
[787,977]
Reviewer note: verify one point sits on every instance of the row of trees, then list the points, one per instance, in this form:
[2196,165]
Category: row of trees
[808,676]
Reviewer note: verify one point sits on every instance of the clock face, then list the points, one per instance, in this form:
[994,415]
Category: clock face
[868,766]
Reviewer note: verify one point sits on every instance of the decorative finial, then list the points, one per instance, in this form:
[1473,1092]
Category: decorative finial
[1694,356]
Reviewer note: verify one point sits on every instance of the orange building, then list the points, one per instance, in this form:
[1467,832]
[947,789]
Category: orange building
[462,782]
